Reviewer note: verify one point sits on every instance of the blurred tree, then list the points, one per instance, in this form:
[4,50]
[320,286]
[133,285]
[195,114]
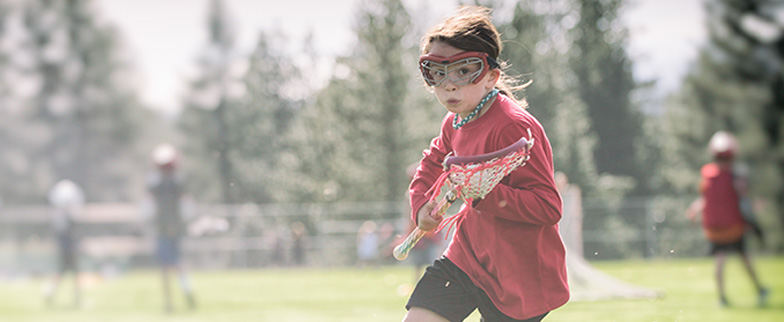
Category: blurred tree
[605,83]
[261,124]
[81,115]
[359,127]
[604,79]
[12,139]
[381,29]
[737,85]
[205,120]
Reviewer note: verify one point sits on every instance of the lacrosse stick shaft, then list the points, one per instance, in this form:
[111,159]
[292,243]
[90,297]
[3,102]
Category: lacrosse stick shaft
[401,251]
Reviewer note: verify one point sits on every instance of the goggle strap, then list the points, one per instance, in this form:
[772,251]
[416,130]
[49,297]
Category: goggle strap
[492,63]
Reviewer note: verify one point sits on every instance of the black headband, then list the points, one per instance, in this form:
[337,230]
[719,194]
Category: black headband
[492,62]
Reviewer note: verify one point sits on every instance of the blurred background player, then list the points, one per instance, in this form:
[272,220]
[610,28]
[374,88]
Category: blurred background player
[368,244]
[298,243]
[166,187]
[67,199]
[723,222]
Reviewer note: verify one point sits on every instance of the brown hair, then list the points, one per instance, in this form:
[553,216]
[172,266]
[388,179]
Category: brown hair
[471,29]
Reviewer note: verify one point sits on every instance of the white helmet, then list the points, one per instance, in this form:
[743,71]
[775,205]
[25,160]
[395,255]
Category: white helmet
[165,156]
[723,145]
[66,193]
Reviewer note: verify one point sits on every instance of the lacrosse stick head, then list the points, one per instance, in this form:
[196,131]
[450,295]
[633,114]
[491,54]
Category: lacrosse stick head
[475,176]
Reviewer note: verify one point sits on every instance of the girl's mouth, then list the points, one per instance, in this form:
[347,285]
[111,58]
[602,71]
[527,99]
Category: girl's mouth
[452,101]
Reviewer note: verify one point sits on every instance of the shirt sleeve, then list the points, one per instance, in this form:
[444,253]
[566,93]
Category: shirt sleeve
[428,171]
[528,194]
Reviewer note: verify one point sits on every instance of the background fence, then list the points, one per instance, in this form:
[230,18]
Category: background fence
[119,236]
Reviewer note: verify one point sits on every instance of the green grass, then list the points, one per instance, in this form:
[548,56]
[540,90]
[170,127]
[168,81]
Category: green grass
[689,293]
[349,295]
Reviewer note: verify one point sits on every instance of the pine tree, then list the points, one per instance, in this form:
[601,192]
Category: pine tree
[205,120]
[381,30]
[262,124]
[605,82]
[89,118]
[357,125]
[10,132]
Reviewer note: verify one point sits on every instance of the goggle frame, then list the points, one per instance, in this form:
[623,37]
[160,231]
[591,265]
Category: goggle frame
[487,64]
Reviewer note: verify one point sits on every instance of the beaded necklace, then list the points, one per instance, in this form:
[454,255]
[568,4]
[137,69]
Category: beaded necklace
[456,125]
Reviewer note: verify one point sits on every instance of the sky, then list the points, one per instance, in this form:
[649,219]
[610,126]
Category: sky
[164,37]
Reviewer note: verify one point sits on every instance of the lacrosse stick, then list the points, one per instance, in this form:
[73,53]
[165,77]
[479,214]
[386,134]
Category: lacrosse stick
[468,178]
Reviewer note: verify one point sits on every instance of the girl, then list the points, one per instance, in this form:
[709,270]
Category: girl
[506,257]
[720,204]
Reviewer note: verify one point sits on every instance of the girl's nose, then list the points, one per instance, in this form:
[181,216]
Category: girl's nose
[449,85]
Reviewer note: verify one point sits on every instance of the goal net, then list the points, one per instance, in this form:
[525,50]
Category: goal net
[587,283]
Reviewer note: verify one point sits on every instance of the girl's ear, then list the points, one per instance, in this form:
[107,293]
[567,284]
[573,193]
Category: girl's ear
[492,78]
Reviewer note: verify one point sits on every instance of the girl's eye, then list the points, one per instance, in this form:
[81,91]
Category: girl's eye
[439,73]
[464,71]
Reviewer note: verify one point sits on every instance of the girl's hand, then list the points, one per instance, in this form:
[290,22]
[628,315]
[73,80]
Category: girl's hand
[425,220]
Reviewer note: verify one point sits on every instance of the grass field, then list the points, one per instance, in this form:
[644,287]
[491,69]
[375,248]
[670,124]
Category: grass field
[353,295]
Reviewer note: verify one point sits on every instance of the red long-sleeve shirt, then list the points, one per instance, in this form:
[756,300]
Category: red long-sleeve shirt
[722,208]
[508,244]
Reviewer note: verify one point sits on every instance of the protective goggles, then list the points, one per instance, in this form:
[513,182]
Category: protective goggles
[461,69]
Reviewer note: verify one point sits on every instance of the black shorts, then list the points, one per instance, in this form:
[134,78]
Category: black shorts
[449,292]
[739,247]
[168,250]
[67,254]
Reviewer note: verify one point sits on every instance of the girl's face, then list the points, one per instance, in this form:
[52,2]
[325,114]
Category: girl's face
[461,99]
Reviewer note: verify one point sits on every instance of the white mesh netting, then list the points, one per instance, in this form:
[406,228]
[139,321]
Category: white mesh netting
[586,283]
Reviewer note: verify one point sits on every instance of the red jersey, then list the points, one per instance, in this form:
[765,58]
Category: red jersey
[508,244]
[722,208]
